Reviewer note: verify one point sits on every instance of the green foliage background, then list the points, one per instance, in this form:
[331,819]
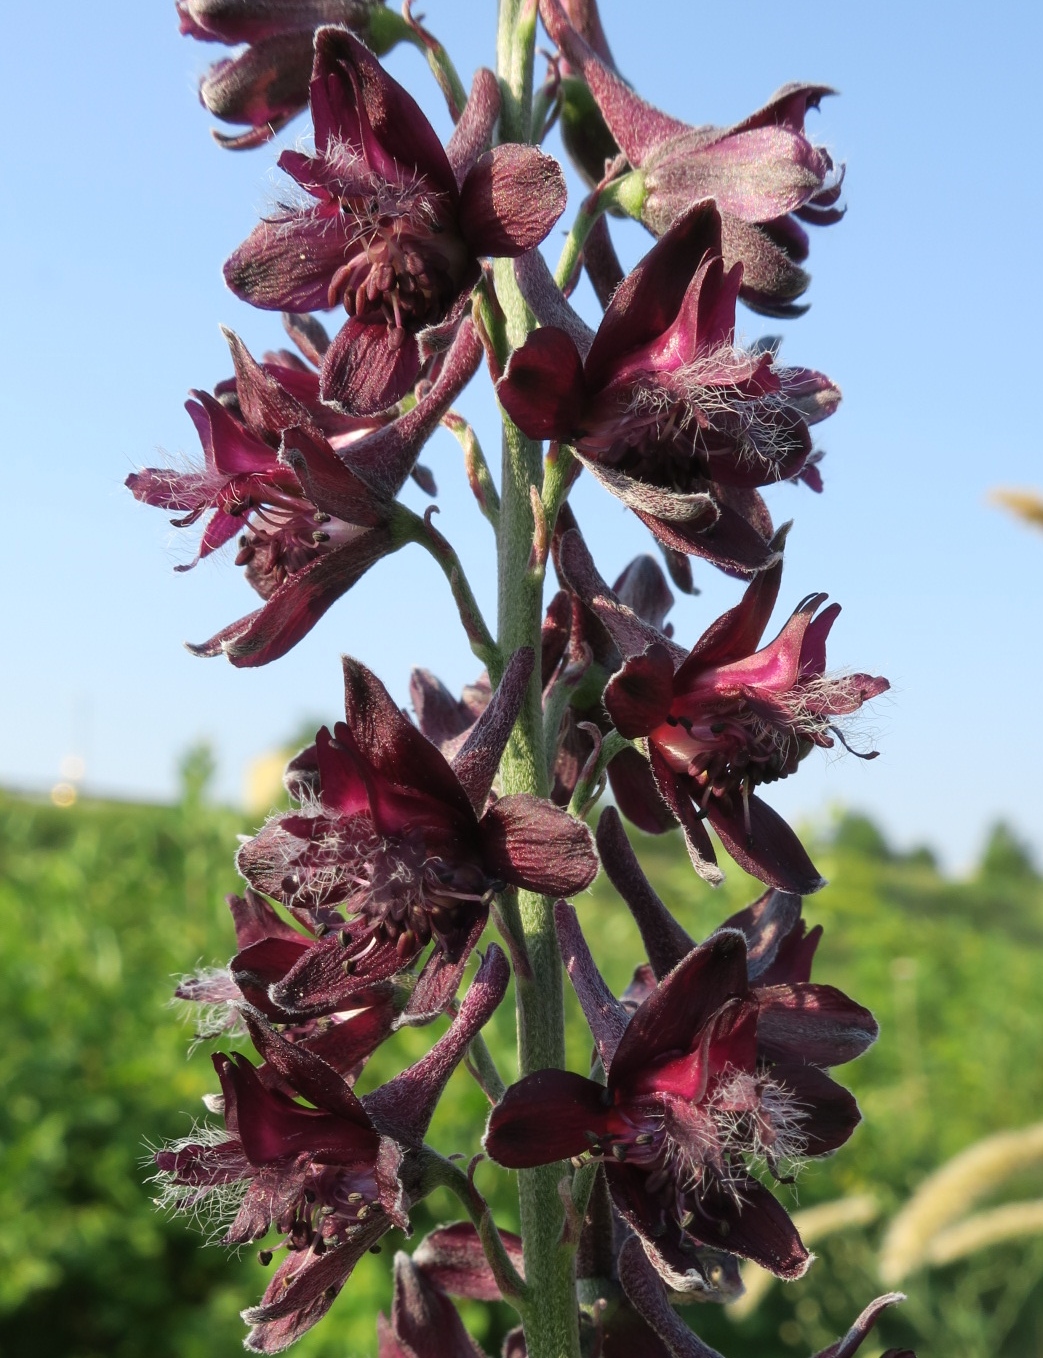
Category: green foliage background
[101,905]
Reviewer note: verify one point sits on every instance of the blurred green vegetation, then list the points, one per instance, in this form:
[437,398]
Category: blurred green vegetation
[103,904]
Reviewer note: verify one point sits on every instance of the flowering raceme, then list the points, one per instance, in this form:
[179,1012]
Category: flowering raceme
[397,225]
[646,1176]
[663,407]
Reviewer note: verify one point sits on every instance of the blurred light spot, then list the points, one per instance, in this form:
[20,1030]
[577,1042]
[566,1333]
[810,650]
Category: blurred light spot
[63,794]
[72,768]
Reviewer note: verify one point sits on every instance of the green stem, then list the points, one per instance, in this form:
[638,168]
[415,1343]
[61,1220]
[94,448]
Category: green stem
[423,532]
[626,193]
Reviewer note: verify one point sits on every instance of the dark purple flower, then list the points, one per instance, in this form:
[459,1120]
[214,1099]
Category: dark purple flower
[310,492]
[424,1322]
[397,224]
[663,407]
[798,1021]
[764,174]
[332,1177]
[726,718]
[394,847]
[266,84]
[687,1110]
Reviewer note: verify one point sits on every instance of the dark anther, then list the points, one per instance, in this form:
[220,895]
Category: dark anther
[374,1249]
[264,1257]
[619,1152]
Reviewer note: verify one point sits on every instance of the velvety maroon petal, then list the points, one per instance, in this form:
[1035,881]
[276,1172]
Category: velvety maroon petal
[297,605]
[264,964]
[673,1017]
[398,142]
[453,1258]
[392,745]
[510,200]
[298,1297]
[676,795]
[542,390]
[285,264]
[769,923]
[646,1292]
[648,300]
[737,633]
[829,1111]
[637,796]
[606,1016]
[439,981]
[255,919]
[769,851]
[638,697]
[545,1117]
[771,280]
[319,985]
[477,761]
[666,943]
[308,1074]
[424,1319]
[535,845]
[814,1023]
[369,367]
[329,481]
[725,538]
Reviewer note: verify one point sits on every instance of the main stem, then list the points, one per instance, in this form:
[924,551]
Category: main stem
[551,1316]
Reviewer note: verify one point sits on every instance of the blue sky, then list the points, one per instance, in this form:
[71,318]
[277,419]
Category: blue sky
[925,306]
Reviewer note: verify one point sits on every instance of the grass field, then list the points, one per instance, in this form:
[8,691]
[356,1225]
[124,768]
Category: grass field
[102,904]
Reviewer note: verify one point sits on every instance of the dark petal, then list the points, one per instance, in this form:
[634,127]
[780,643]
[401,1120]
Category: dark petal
[737,633]
[542,390]
[473,132]
[666,943]
[286,263]
[829,1111]
[366,370]
[606,1016]
[263,964]
[771,921]
[309,335]
[200,1166]
[744,1218]
[643,588]
[297,1297]
[648,300]
[329,481]
[814,1023]
[852,1341]
[637,796]
[794,960]
[630,633]
[442,718]
[676,794]
[454,1260]
[510,200]
[545,1117]
[770,851]
[397,141]
[229,446]
[637,127]
[439,981]
[403,1108]
[727,538]
[347,1045]
[307,1073]
[297,605]
[393,747]
[424,1319]
[674,1016]
[267,408]
[318,984]
[255,919]
[638,697]
[537,846]
[771,280]
[478,759]
[547,302]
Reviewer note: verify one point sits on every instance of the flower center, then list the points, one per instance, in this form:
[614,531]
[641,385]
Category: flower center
[405,267]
